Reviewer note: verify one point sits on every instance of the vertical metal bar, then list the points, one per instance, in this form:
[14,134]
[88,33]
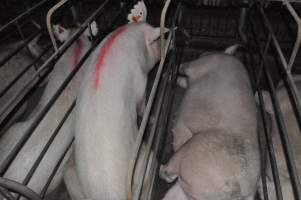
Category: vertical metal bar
[298,39]
[145,118]
[48,21]
[268,137]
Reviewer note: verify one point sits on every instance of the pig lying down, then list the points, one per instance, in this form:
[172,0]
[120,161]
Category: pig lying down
[294,138]
[33,147]
[106,112]
[215,135]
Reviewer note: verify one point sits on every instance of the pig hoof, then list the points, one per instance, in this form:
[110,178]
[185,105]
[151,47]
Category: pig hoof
[166,176]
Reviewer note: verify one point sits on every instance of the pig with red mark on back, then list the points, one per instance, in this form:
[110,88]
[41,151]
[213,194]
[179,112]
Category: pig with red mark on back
[215,136]
[106,115]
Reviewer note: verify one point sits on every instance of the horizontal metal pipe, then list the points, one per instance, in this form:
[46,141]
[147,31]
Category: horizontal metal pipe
[26,13]
[18,188]
[25,43]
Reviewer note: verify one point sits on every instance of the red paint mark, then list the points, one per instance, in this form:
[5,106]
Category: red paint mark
[103,53]
[136,18]
[77,52]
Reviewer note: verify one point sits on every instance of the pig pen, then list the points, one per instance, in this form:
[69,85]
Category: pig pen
[269,35]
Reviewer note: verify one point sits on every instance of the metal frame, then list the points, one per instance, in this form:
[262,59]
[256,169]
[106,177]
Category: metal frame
[45,69]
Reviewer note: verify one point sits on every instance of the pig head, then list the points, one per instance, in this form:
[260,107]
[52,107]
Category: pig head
[215,135]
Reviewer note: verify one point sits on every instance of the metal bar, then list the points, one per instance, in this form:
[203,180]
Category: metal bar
[45,188]
[19,188]
[162,94]
[141,131]
[162,27]
[292,89]
[9,56]
[298,39]
[53,57]
[289,156]
[5,194]
[48,22]
[268,137]
[23,72]
[47,145]
[23,15]
[21,101]
[5,164]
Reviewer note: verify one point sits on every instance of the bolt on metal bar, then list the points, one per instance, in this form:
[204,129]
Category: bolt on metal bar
[9,85]
[10,23]
[25,43]
[5,164]
[48,22]
[19,188]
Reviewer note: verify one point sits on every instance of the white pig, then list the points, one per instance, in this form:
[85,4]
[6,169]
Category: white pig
[215,136]
[106,117]
[294,138]
[29,153]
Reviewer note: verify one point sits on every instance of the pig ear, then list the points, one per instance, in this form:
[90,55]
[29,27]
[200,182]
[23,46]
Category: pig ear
[138,13]
[154,35]
[267,101]
[60,32]
[94,29]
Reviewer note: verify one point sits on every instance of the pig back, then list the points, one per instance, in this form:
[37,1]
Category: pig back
[219,96]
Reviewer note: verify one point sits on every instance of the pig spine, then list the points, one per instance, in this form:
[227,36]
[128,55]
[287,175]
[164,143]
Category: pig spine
[106,127]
